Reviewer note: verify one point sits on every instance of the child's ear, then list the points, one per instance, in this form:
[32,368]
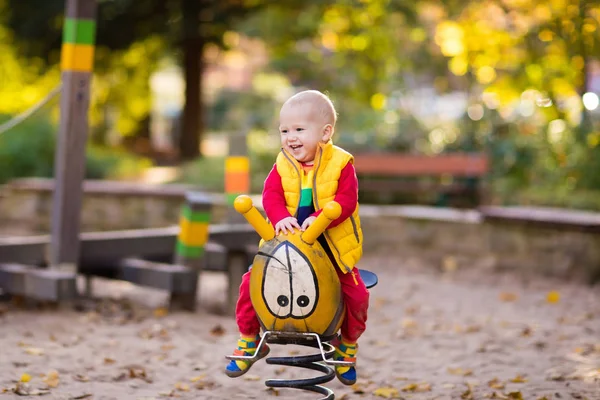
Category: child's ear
[327,132]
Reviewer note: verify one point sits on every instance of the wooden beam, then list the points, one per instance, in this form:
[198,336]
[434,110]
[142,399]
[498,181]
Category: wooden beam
[77,57]
[396,164]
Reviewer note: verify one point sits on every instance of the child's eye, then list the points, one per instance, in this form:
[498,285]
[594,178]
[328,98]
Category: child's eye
[299,129]
[284,131]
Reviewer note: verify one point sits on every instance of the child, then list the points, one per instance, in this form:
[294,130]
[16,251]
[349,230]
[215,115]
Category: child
[307,123]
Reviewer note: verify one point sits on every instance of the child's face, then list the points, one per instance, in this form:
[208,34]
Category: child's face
[301,130]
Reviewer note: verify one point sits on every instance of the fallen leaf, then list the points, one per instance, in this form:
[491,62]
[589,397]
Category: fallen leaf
[52,379]
[182,387]
[496,384]
[460,371]
[197,378]
[217,330]
[167,347]
[160,312]
[273,391]
[553,297]
[387,392]
[252,378]
[81,378]
[357,389]
[449,264]
[515,396]
[200,385]
[526,332]
[508,297]
[108,360]
[23,389]
[82,396]
[467,394]
[25,378]
[34,351]
[519,379]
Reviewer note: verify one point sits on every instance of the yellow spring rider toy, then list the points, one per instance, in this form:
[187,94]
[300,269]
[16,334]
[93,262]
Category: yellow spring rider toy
[296,294]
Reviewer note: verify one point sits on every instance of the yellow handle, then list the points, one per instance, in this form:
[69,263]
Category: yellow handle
[243,205]
[331,211]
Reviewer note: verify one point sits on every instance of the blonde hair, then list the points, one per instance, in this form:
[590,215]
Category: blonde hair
[322,104]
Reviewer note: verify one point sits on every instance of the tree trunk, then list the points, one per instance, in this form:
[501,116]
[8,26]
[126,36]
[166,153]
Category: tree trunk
[193,46]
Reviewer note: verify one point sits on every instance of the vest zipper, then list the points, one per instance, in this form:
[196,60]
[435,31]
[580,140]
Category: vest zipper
[355,229]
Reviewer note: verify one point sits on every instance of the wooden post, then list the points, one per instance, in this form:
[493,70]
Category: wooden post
[77,59]
[191,240]
[237,174]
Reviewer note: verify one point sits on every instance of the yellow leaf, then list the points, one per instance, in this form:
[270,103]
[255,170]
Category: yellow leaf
[108,360]
[252,378]
[25,377]
[161,312]
[182,387]
[356,388]
[34,351]
[508,297]
[553,297]
[515,396]
[197,378]
[460,371]
[52,379]
[496,384]
[387,392]
[518,379]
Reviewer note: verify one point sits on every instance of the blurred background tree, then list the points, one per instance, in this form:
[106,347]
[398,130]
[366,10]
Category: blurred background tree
[519,80]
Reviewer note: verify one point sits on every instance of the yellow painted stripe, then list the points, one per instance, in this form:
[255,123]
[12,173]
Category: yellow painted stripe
[193,233]
[77,57]
[237,164]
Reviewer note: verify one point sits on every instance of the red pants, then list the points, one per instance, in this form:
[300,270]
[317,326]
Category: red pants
[356,299]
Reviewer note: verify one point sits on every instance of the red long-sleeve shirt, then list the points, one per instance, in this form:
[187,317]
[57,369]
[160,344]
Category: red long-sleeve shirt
[274,201]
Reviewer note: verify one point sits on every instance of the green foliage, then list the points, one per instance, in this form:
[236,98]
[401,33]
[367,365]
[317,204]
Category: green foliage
[209,172]
[27,150]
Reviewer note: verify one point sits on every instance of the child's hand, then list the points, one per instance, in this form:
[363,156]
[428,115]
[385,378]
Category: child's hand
[286,224]
[307,222]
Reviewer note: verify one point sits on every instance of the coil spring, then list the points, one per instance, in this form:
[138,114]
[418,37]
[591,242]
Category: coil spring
[308,362]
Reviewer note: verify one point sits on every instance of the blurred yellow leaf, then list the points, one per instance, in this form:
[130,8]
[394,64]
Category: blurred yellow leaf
[34,351]
[108,360]
[182,387]
[197,378]
[508,297]
[519,379]
[460,371]
[252,378]
[387,392]
[25,377]
[161,312]
[515,396]
[356,388]
[417,387]
[496,384]
[553,297]
[52,379]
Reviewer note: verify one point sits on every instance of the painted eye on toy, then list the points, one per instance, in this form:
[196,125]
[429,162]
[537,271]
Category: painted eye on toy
[290,285]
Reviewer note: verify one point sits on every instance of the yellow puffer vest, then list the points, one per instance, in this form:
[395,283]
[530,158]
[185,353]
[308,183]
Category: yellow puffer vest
[345,240]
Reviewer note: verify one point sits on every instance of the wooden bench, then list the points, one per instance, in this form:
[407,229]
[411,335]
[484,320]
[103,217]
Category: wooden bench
[453,179]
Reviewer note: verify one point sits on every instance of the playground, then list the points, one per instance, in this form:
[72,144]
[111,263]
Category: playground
[432,334]
[136,139]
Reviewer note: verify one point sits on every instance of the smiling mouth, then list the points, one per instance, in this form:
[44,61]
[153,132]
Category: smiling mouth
[295,147]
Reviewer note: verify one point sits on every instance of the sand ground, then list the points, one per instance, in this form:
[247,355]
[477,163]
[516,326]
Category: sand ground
[465,334]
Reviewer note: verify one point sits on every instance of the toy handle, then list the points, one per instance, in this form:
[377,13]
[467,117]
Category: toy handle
[331,211]
[243,205]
